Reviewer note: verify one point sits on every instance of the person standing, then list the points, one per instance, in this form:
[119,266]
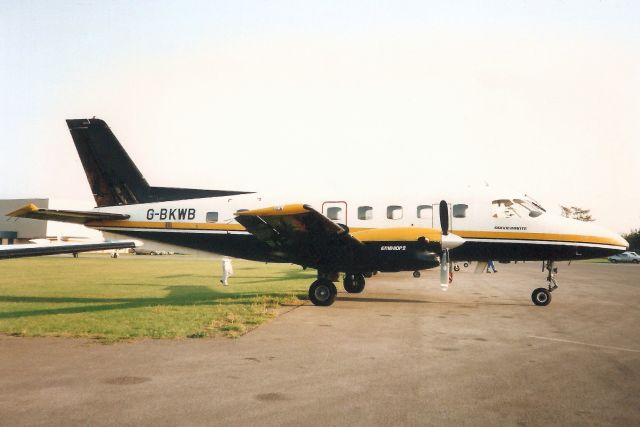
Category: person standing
[227,270]
[491,266]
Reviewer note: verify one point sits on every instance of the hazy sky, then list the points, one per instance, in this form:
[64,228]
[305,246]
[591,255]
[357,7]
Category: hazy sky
[331,97]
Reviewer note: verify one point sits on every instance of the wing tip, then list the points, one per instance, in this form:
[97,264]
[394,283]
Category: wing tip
[27,209]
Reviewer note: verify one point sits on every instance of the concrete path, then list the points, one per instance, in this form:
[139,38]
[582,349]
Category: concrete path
[401,353]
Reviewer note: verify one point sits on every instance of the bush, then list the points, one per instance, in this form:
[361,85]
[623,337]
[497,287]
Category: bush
[634,239]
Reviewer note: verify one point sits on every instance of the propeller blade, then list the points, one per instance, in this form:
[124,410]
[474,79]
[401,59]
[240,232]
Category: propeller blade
[444,270]
[444,217]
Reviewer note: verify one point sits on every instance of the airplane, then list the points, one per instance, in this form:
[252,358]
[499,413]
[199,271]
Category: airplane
[356,237]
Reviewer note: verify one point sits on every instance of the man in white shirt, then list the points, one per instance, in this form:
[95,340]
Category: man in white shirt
[227,270]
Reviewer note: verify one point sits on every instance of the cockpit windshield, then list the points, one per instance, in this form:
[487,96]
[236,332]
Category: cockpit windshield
[508,208]
[534,203]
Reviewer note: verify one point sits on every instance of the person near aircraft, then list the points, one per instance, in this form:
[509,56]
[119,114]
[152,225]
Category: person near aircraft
[490,266]
[227,270]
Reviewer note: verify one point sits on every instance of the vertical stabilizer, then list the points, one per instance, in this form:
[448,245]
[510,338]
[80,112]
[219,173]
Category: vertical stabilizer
[113,177]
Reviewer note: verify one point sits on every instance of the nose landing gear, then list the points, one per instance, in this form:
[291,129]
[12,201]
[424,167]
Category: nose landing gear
[542,296]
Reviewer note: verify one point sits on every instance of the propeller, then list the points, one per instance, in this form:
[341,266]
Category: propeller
[444,270]
[444,262]
[444,217]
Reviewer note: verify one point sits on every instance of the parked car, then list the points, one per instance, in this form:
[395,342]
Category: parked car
[625,257]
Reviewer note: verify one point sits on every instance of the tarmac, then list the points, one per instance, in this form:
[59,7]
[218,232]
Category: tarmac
[401,353]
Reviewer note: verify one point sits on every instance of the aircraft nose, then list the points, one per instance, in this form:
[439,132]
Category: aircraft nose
[623,242]
[611,238]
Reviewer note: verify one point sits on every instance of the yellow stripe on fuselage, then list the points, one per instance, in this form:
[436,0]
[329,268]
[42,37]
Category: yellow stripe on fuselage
[551,237]
[376,234]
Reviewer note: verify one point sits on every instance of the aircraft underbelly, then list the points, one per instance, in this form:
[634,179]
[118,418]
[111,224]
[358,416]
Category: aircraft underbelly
[527,251]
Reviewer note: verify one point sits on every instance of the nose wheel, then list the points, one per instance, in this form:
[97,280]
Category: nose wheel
[542,296]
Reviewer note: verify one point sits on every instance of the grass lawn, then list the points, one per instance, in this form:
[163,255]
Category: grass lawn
[142,296]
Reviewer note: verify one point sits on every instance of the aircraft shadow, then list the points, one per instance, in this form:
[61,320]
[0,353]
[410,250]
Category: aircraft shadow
[177,296]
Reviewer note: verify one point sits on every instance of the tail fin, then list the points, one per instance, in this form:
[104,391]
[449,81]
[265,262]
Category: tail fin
[113,177]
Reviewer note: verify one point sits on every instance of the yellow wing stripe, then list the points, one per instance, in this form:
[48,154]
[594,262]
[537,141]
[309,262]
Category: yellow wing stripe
[397,234]
[276,211]
[24,210]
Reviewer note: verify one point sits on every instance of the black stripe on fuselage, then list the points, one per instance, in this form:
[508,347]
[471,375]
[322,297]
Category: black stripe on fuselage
[413,256]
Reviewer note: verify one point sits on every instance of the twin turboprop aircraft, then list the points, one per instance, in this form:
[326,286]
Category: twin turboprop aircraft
[333,236]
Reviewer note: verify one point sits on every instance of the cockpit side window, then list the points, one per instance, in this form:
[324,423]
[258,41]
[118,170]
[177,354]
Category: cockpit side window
[528,207]
[503,208]
[507,208]
[534,203]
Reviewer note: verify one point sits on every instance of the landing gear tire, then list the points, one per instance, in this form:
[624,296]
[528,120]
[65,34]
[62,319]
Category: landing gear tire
[416,274]
[353,283]
[322,292]
[541,297]
[456,267]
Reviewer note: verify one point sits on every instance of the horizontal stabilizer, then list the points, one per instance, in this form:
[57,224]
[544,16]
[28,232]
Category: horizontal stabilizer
[39,249]
[77,217]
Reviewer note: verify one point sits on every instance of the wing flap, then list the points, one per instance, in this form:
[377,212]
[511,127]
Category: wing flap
[302,235]
[31,211]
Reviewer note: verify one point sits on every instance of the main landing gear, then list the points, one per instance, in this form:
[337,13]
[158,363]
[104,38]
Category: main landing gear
[354,282]
[323,292]
[542,296]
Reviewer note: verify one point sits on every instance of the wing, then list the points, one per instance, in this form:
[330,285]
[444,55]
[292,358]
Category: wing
[302,235]
[38,249]
[76,217]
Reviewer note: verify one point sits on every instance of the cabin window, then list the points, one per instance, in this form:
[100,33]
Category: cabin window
[394,212]
[212,217]
[334,213]
[460,210]
[365,213]
[425,212]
